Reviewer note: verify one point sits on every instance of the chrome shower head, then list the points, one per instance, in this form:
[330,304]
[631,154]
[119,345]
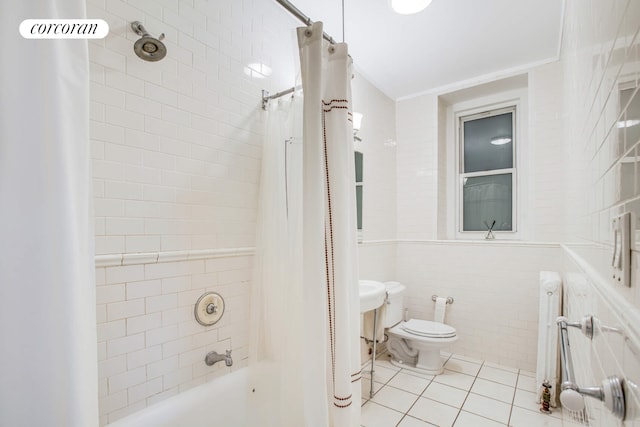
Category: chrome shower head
[148,48]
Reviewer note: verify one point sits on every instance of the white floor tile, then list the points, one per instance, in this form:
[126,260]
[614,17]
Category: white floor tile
[394,398]
[374,415]
[462,366]
[491,395]
[365,385]
[526,399]
[467,419]
[527,373]
[381,374]
[445,394]
[417,374]
[455,379]
[503,367]
[498,375]
[527,383]
[488,408]
[385,362]
[434,412]
[557,413]
[525,418]
[413,422]
[494,390]
[467,359]
[410,383]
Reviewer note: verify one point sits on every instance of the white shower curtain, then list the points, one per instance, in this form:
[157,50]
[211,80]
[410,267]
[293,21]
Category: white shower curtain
[329,228]
[278,324]
[48,362]
[305,361]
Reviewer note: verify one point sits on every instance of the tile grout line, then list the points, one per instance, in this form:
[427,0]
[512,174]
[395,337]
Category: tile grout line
[468,393]
[433,377]
[406,414]
[431,380]
[513,399]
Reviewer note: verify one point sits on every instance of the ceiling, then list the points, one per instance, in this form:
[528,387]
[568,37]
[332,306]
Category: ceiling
[449,42]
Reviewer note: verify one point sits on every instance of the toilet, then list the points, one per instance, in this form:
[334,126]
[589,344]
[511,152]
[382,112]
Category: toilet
[415,344]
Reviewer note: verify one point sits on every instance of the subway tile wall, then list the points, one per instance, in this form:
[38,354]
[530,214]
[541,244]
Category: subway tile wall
[495,291]
[176,148]
[495,284]
[149,345]
[601,69]
[378,146]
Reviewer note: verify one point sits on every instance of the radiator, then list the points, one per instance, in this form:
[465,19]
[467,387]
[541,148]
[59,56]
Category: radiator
[550,307]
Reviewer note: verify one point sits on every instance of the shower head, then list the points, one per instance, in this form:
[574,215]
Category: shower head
[148,48]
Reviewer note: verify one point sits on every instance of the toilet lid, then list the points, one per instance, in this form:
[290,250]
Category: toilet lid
[426,328]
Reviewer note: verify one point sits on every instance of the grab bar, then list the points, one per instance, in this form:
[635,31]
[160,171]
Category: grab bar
[610,392]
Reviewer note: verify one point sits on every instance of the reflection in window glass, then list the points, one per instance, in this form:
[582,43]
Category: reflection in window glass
[359,174]
[629,123]
[487,199]
[488,143]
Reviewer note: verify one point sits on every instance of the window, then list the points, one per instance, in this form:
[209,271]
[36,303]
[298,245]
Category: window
[359,173]
[487,171]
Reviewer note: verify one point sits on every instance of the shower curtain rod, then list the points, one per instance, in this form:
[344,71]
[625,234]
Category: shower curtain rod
[302,17]
[266,97]
[307,21]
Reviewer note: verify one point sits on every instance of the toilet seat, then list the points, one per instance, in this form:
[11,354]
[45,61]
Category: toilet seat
[428,329]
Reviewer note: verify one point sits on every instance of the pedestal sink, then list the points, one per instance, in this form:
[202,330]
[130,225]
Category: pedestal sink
[372,295]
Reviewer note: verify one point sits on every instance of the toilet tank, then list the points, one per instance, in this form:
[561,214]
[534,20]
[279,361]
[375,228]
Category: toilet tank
[393,313]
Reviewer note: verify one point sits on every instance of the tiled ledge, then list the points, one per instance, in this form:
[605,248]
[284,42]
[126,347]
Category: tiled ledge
[111,260]
[503,243]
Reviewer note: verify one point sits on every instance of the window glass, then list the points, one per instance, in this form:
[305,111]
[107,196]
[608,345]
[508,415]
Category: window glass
[359,203]
[487,199]
[488,143]
[359,165]
[359,159]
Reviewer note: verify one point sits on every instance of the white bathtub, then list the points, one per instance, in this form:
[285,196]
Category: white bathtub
[221,402]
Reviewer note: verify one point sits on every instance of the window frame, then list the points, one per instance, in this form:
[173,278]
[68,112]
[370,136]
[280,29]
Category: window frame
[482,112]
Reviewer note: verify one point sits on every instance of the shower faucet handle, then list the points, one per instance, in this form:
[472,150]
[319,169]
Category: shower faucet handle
[161,36]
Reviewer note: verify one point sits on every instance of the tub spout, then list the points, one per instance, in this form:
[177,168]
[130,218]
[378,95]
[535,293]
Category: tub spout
[213,357]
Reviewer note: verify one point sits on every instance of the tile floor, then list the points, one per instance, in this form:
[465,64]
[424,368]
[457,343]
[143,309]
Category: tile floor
[470,393]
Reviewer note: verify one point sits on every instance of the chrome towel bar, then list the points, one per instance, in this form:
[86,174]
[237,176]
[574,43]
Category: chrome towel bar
[610,392]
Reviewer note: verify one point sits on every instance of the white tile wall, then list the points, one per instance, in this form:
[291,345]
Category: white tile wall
[417,165]
[176,149]
[576,183]
[600,54]
[495,290]
[378,133]
[152,346]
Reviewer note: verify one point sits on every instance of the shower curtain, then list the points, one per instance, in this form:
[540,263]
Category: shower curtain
[305,361]
[48,361]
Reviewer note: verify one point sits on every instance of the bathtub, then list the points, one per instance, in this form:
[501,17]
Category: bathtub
[221,402]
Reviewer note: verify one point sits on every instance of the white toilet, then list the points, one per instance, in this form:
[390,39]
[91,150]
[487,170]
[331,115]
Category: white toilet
[415,344]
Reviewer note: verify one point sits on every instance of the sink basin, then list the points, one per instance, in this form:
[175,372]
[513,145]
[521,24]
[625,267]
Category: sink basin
[372,295]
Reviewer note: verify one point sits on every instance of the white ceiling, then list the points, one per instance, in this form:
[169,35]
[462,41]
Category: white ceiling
[449,42]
